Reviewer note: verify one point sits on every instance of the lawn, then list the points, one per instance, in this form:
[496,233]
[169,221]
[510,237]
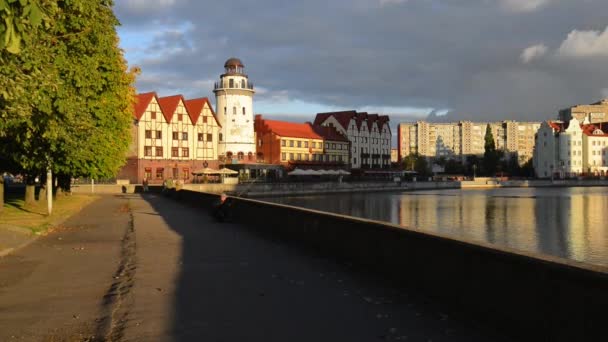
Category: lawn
[35,218]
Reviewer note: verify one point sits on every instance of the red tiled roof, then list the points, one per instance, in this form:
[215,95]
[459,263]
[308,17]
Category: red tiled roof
[555,125]
[141,103]
[291,129]
[195,108]
[589,129]
[168,105]
[329,133]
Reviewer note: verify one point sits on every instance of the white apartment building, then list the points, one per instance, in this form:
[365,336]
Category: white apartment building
[571,149]
[461,139]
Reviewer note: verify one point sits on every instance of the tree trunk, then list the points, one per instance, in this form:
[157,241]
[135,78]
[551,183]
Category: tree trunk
[30,192]
[1,193]
[64,182]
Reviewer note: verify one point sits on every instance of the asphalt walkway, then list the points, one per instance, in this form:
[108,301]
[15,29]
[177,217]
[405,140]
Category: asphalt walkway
[175,274]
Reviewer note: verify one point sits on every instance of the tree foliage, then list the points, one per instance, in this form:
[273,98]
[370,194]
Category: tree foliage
[68,100]
[17,18]
[491,157]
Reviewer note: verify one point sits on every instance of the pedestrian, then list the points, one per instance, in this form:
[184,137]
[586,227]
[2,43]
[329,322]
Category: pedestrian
[221,207]
[145,184]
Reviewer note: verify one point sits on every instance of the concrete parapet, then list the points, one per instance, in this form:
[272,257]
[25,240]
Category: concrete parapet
[528,296]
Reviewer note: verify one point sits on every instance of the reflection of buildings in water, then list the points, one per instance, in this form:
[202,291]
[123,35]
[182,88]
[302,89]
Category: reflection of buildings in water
[588,233]
[552,225]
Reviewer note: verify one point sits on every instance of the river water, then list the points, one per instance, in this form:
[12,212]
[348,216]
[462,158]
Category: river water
[569,223]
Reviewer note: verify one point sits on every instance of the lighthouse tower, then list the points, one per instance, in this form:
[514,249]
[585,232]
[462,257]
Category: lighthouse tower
[234,110]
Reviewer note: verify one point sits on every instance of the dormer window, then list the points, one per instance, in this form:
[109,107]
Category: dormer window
[598,131]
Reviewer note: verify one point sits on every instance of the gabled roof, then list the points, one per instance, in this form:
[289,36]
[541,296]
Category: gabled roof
[141,103]
[589,129]
[168,105]
[291,129]
[343,117]
[195,108]
[329,133]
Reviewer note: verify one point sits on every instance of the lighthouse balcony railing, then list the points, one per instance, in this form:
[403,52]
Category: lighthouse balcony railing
[226,85]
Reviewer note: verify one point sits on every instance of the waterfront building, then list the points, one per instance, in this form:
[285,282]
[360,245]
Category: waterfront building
[570,149]
[594,113]
[369,136]
[234,108]
[300,145]
[465,138]
[170,138]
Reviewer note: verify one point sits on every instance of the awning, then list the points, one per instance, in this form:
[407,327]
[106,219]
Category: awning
[206,171]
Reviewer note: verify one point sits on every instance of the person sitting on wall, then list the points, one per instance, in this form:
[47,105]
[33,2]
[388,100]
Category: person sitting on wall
[221,207]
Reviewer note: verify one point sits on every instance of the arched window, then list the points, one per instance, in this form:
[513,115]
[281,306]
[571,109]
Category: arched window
[242,83]
[243,110]
[250,155]
[233,110]
[229,154]
[241,155]
[231,83]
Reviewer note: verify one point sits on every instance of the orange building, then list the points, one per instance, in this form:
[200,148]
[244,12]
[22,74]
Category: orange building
[299,145]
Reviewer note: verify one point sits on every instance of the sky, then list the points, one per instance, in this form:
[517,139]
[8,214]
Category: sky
[441,60]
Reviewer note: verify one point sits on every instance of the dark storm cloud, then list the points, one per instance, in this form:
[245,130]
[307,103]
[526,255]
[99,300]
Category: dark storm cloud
[465,56]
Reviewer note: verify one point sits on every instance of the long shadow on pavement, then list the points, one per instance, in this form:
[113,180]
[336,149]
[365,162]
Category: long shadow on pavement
[235,285]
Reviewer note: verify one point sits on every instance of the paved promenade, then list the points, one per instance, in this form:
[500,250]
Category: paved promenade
[162,271]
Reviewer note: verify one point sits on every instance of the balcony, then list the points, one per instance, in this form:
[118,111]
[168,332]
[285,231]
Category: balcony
[236,85]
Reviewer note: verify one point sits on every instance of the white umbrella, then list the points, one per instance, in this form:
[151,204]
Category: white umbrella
[205,171]
[332,172]
[226,171]
[297,172]
[343,172]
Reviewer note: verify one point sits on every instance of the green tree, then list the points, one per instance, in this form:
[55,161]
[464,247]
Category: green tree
[409,162]
[70,106]
[17,18]
[491,157]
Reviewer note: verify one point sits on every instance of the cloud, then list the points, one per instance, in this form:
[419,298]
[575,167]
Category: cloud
[533,52]
[523,5]
[583,44]
[316,55]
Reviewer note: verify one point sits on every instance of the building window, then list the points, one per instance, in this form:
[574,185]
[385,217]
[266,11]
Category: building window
[159,172]
[243,85]
[175,135]
[175,173]
[185,152]
[241,155]
[291,156]
[290,143]
[225,111]
[233,110]
[243,110]
[148,151]
[283,142]
[306,144]
[180,117]
[209,137]
[220,137]
[159,134]
[174,152]
[204,119]
[231,83]
[354,160]
[326,146]
[283,156]
[148,173]
[299,156]
[299,143]
[153,117]
[186,173]
[306,157]
[159,151]
[201,137]
[148,134]
[184,135]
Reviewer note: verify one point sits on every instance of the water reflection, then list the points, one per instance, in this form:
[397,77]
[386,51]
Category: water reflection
[566,222]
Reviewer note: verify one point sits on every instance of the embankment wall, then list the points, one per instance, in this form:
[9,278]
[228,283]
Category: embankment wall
[530,297]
